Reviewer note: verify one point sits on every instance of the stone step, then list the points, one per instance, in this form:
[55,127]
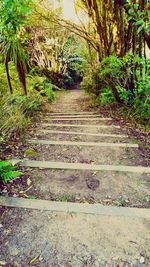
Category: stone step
[75,116]
[70,143]
[80,133]
[78,119]
[79,166]
[80,125]
[70,113]
[69,207]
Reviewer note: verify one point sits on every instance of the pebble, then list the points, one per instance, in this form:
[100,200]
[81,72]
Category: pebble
[3,263]
[41,258]
[14,252]
[4,191]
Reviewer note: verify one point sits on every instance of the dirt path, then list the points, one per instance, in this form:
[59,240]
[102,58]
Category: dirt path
[44,238]
[69,102]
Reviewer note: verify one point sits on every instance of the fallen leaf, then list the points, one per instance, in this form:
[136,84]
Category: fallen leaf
[25,195]
[28,188]
[142,260]
[29,181]
[34,259]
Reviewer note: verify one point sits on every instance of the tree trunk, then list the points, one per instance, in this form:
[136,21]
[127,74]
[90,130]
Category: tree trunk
[115,92]
[140,54]
[128,38]
[21,73]
[8,75]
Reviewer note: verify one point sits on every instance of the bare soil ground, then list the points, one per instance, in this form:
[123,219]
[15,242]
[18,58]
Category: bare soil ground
[46,239]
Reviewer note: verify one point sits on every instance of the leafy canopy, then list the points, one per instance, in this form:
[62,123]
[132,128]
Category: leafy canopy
[13,14]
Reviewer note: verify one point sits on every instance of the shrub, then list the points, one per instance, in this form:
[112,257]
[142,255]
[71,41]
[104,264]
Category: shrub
[43,86]
[106,97]
[48,90]
[91,82]
[110,81]
[141,104]
[27,104]
[16,112]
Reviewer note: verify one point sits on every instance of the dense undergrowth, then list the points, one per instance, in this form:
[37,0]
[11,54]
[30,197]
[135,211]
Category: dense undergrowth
[109,83]
[18,109]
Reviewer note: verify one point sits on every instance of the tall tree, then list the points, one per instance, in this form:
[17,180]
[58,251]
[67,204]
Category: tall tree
[13,16]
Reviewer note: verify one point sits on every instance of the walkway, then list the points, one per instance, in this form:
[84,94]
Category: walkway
[77,155]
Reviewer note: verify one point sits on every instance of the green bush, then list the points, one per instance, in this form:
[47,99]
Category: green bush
[141,104]
[27,104]
[91,82]
[16,112]
[48,90]
[8,172]
[112,77]
[44,87]
[106,97]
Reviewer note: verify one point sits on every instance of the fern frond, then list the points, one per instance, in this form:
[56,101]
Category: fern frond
[11,175]
[6,166]
[7,172]
[3,163]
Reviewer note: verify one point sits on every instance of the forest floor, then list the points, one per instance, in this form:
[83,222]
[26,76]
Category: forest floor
[98,146]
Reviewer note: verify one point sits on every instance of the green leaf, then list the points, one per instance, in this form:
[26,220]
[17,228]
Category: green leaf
[136,6]
[7,172]
[140,29]
[131,11]
[139,22]
[32,197]
[34,259]
[11,175]
[130,18]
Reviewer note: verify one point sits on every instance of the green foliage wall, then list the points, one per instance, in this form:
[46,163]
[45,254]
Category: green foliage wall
[112,76]
[17,110]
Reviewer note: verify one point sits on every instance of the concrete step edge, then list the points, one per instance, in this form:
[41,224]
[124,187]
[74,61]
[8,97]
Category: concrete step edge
[54,206]
[77,119]
[80,125]
[71,143]
[74,116]
[81,133]
[79,166]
